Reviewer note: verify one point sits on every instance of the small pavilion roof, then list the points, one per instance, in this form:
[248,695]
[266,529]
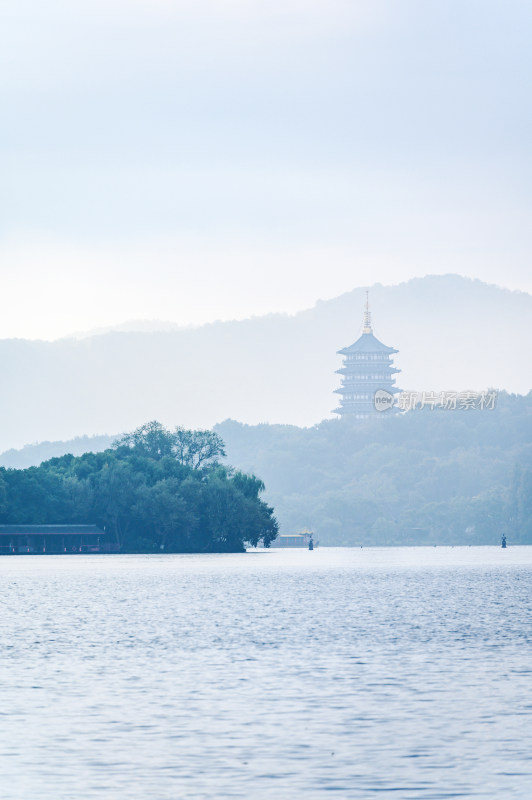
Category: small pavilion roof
[367,343]
[51,530]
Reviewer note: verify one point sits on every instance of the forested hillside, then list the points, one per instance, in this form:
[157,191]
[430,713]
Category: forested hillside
[420,478]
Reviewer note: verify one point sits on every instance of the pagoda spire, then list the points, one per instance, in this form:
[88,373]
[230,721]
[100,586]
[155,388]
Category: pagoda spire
[367,316]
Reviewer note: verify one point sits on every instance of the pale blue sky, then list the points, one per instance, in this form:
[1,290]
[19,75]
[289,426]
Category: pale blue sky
[199,160]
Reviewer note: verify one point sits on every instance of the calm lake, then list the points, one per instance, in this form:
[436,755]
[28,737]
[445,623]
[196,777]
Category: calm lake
[348,673]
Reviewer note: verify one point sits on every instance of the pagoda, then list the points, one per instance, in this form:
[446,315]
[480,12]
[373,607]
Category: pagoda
[367,369]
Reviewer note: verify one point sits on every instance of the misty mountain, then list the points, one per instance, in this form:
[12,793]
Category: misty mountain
[130,326]
[452,333]
[31,455]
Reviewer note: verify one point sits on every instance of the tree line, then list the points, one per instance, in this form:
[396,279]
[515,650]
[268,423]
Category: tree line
[154,490]
[423,477]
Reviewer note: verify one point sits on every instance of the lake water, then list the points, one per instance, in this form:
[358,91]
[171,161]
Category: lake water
[349,673]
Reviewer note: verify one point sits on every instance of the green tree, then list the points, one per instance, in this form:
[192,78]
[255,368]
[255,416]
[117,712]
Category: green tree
[155,490]
[115,492]
[194,449]
[197,449]
[151,439]
[166,520]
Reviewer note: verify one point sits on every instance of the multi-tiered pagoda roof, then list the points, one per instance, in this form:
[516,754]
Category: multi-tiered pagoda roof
[367,369]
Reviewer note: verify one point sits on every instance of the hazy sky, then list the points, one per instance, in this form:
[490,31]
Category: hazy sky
[220,158]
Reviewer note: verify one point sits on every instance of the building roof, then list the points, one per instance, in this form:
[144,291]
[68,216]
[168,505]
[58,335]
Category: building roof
[367,343]
[51,530]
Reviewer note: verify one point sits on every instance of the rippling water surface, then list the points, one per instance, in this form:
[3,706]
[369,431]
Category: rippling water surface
[349,673]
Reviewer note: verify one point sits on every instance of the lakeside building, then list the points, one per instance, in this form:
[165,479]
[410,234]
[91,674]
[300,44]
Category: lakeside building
[301,539]
[36,539]
[367,369]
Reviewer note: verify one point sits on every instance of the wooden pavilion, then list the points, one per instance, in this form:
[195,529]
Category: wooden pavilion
[38,539]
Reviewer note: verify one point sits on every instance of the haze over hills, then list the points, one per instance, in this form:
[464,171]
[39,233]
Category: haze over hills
[452,333]
[31,455]
[130,326]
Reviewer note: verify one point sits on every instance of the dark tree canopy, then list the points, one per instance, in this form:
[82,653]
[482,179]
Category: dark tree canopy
[155,490]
